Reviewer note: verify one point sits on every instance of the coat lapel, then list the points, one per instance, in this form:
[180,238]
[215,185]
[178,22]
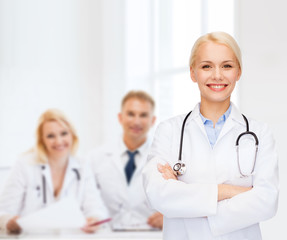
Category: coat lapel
[46,172]
[143,151]
[70,174]
[195,115]
[234,118]
[114,157]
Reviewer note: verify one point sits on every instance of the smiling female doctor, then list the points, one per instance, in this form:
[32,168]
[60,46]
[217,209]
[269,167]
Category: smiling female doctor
[48,174]
[209,190]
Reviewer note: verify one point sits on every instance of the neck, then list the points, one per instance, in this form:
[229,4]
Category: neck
[133,144]
[59,163]
[213,111]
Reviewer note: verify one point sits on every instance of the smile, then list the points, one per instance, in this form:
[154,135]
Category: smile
[217,87]
[136,129]
[59,148]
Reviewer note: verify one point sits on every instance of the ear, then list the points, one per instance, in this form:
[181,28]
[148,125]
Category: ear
[120,118]
[192,75]
[239,75]
[153,120]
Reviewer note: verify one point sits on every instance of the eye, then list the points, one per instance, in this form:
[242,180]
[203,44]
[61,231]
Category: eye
[206,66]
[227,66]
[131,114]
[64,133]
[144,115]
[50,135]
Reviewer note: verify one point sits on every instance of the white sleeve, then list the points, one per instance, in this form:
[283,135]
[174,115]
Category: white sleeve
[175,199]
[92,204]
[93,161]
[256,205]
[12,195]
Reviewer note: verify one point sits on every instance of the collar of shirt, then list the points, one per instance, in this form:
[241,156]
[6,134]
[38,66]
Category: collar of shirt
[213,132]
[124,156]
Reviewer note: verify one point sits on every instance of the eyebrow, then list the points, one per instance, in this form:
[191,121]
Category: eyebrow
[225,61]
[228,61]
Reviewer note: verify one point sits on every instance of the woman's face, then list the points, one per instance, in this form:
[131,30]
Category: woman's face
[216,72]
[57,139]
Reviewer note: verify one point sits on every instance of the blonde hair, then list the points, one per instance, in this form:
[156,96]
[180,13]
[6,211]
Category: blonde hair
[216,37]
[48,116]
[141,95]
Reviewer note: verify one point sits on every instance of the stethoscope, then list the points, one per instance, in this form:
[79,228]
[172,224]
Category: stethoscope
[179,168]
[44,182]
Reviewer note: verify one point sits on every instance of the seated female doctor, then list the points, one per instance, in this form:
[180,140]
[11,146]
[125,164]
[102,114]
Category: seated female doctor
[213,192]
[48,174]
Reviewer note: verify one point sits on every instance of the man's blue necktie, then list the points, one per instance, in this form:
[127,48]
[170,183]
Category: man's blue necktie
[130,167]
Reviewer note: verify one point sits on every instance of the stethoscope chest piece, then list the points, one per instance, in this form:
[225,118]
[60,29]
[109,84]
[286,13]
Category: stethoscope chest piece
[179,168]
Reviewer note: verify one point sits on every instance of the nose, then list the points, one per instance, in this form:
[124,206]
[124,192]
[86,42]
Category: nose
[137,120]
[217,74]
[58,140]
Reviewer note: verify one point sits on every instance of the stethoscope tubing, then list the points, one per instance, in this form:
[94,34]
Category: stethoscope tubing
[44,183]
[247,132]
[44,187]
[181,136]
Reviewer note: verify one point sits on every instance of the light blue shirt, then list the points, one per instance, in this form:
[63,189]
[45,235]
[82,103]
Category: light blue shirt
[213,132]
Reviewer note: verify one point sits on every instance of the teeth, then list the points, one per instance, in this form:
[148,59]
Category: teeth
[59,148]
[217,86]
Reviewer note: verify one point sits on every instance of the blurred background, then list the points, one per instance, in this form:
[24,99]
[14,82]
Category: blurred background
[82,56]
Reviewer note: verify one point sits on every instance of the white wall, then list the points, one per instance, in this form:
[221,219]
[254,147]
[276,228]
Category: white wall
[64,54]
[263,37]
[113,81]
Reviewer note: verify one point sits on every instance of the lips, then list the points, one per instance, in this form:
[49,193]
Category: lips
[136,129]
[60,148]
[217,87]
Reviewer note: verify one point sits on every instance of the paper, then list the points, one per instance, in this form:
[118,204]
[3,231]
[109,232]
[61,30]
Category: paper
[130,221]
[133,227]
[64,214]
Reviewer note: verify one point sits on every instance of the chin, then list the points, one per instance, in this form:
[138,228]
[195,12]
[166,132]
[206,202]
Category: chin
[61,154]
[219,99]
[136,135]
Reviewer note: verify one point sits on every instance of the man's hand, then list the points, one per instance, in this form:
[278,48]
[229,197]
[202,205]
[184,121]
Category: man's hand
[155,220]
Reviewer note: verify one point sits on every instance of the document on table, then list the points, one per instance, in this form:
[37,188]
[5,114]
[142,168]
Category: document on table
[133,228]
[64,214]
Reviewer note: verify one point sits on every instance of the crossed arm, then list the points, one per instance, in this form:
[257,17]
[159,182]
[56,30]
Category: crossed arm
[225,191]
[219,202]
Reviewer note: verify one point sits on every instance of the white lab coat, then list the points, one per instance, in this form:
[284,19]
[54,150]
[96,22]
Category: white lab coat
[127,203]
[189,205]
[23,191]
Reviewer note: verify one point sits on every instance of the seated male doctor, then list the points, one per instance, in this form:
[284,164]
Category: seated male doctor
[121,185]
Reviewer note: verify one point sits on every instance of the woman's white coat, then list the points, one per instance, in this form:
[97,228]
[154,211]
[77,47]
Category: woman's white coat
[23,191]
[190,205]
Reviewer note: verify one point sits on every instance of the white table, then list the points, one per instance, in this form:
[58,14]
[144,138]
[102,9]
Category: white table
[77,234]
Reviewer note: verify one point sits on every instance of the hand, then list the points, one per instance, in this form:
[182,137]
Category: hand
[166,171]
[226,191]
[89,228]
[13,227]
[156,220]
